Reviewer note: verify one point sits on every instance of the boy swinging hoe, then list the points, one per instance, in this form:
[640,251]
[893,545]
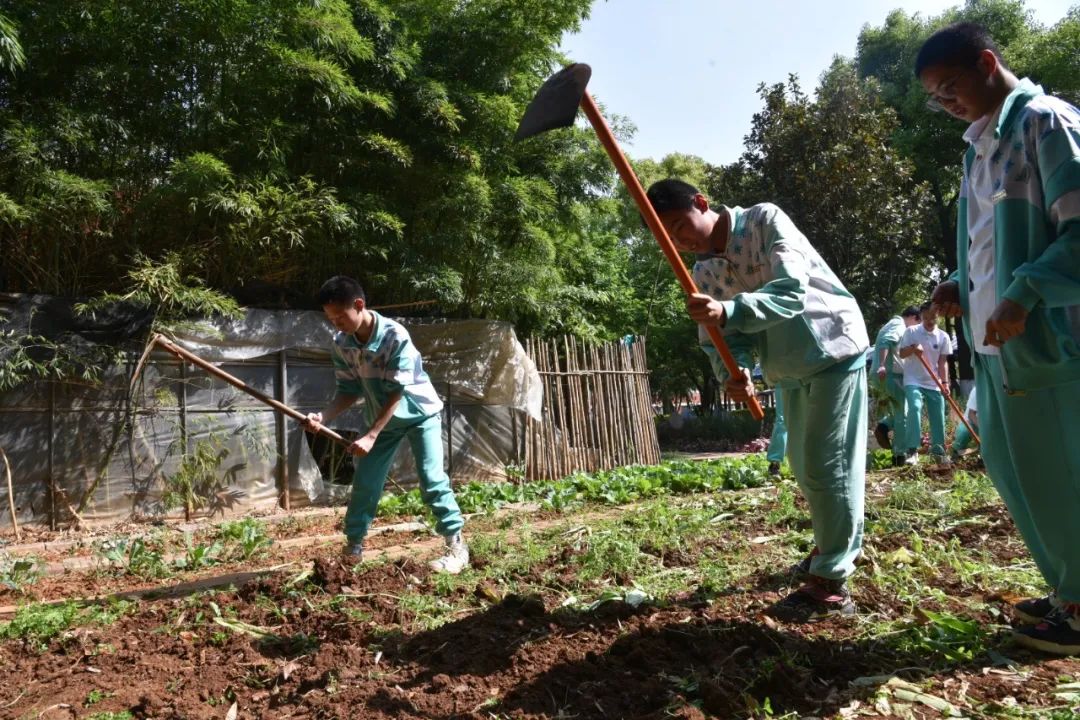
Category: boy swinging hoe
[375,359]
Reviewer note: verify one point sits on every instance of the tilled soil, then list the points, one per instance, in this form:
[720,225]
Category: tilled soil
[333,643]
[518,656]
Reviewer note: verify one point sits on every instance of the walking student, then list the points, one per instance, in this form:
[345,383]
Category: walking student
[934,346]
[889,372]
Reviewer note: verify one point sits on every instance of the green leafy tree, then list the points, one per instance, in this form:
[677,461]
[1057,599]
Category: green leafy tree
[11,52]
[1052,56]
[828,163]
[676,365]
[933,141]
[272,143]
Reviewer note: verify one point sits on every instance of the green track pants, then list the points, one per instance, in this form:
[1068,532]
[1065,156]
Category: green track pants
[826,417]
[425,438]
[1033,459]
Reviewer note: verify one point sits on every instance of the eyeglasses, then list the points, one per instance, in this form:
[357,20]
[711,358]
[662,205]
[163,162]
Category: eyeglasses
[945,91]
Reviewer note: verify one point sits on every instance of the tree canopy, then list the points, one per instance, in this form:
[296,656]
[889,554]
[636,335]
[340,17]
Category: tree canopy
[255,147]
[273,143]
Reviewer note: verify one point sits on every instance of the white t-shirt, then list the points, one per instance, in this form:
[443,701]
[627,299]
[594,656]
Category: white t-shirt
[935,344]
[982,297]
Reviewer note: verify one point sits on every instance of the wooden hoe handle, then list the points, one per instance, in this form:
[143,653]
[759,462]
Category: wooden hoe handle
[948,396]
[607,139]
[241,385]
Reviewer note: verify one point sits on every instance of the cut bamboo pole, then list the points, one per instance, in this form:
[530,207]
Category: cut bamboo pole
[654,442]
[529,455]
[633,409]
[604,422]
[579,445]
[11,496]
[549,425]
[562,447]
[571,402]
[583,420]
[594,424]
[620,404]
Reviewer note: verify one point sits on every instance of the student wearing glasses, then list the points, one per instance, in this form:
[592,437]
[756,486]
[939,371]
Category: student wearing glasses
[1017,286]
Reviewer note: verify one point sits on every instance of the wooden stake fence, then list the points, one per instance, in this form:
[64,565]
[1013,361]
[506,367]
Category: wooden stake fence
[597,411]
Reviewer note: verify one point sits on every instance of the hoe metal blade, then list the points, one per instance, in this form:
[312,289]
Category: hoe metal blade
[556,102]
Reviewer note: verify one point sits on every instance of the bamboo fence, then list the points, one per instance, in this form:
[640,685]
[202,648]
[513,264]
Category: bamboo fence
[597,411]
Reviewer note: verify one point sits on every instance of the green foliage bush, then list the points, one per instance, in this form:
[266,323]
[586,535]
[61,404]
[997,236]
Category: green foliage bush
[609,487]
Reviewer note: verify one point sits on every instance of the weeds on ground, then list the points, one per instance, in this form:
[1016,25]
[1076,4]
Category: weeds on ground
[244,539]
[137,556]
[95,696]
[37,624]
[18,573]
[199,556]
[879,460]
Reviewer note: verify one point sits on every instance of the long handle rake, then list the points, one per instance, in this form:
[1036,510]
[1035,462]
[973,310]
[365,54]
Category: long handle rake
[948,396]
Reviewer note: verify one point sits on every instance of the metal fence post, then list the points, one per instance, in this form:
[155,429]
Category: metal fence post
[51,455]
[282,438]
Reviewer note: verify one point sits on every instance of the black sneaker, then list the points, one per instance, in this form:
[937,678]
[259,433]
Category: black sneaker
[898,460]
[774,469]
[1033,610]
[1058,633]
[801,569]
[818,599]
[881,434]
[352,552]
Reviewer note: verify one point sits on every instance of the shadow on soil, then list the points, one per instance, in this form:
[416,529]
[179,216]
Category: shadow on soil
[620,662]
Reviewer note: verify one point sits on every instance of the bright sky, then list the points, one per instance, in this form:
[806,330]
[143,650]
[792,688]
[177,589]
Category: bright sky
[712,54]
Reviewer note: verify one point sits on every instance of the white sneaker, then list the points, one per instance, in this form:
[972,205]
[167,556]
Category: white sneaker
[353,552]
[912,458]
[456,558]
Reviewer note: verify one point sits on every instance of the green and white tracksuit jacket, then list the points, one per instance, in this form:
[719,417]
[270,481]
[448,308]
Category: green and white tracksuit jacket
[781,300]
[1036,236]
[1029,393]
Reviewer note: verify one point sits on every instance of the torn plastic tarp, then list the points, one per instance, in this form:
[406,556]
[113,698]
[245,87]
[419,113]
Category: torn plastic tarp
[486,379]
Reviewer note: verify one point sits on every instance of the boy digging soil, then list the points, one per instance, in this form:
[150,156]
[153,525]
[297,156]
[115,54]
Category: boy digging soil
[374,358]
[933,345]
[767,287]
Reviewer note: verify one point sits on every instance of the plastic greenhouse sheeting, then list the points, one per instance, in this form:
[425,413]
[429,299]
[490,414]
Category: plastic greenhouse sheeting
[240,455]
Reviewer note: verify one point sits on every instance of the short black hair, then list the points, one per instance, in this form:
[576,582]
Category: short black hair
[910,311]
[925,306]
[671,194]
[340,290]
[958,45]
